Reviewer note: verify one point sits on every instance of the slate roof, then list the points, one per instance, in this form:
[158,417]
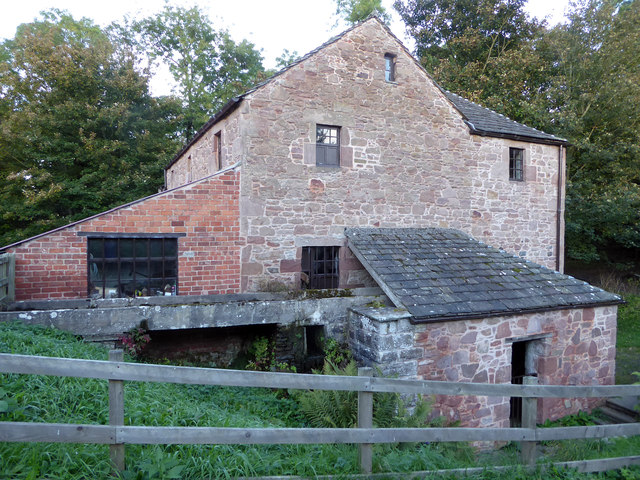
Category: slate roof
[485,122]
[443,274]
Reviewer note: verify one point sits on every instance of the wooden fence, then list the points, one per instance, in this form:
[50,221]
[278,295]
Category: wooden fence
[117,435]
[7,278]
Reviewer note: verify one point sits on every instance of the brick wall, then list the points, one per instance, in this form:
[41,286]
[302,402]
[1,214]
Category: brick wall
[54,265]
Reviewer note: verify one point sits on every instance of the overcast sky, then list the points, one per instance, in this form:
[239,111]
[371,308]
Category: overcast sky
[272,25]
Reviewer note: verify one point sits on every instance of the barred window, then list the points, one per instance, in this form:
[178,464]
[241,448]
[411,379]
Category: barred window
[320,267]
[132,267]
[516,164]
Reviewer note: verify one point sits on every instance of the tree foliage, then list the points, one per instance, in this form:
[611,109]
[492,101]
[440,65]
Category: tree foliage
[354,11]
[579,81]
[207,65]
[593,100]
[482,50]
[79,131]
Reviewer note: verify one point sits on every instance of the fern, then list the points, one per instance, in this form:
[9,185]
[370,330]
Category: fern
[339,409]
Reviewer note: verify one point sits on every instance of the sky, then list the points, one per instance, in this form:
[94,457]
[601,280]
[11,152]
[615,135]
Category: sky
[272,25]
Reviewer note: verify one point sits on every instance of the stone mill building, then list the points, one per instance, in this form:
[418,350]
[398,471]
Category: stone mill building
[349,169]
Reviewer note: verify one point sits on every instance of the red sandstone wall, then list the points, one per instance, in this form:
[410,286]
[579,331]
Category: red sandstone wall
[580,350]
[207,212]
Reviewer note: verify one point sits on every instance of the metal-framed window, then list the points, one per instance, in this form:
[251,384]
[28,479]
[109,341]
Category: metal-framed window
[389,67]
[516,164]
[320,267]
[132,267]
[327,146]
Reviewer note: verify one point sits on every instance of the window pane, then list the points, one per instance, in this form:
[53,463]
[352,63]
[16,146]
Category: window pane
[110,248]
[155,247]
[155,268]
[95,272]
[96,247]
[142,270]
[170,247]
[142,245]
[126,247]
[170,268]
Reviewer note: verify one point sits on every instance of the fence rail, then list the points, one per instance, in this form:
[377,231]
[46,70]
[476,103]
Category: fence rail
[116,434]
[7,278]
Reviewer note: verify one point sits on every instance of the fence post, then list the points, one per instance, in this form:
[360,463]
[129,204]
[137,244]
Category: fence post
[116,413]
[365,420]
[529,420]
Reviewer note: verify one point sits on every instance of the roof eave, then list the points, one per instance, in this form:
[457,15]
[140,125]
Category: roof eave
[229,107]
[476,316]
[511,136]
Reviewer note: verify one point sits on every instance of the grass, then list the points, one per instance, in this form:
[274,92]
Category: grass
[67,400]
[628,342]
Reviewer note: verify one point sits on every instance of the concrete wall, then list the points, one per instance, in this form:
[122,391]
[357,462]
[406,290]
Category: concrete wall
[571,347]
[106,319]
[54,265]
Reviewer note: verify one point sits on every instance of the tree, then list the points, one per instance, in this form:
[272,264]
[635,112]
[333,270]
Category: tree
[354,11]
[483,50]
[208,66]
[593,101]
[79,131]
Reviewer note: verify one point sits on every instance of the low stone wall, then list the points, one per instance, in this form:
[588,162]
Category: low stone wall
[106,319]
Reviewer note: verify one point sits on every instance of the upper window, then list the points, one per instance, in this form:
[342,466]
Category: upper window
[320,267]
[389,67]
[132,267]
[516,164]
[217,146]
[327,146]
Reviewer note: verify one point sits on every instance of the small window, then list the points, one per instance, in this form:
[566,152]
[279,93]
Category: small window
[327,146]
[132,267]
[390,67]
[217,147]
[320,267]
[516,164]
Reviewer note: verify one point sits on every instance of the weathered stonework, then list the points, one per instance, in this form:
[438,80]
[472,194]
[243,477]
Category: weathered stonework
[199,160]
[407,160]
[571,347]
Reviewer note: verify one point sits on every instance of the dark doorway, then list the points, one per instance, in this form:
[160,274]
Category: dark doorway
[518,372]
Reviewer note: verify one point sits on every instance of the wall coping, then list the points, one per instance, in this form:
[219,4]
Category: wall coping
[176,300]
[385,314]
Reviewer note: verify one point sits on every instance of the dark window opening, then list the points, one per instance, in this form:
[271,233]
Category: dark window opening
[132,267]
[389,67]
[217,146]
[314,339]
[516,164]
[320,267]
[327,146]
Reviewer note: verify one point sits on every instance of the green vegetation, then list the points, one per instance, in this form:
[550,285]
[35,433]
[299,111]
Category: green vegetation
[67,400]
[628,342]
[578,80]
